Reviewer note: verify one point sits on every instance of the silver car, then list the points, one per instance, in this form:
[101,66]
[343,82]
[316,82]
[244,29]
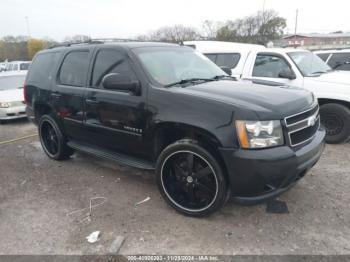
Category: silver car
[12,103]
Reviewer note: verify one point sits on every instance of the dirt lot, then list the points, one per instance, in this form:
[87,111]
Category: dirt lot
[38,196]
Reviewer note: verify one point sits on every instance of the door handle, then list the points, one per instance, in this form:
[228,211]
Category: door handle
[55,95]
[91,101]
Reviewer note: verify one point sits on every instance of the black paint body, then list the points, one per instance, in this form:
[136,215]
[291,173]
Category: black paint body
[141,125]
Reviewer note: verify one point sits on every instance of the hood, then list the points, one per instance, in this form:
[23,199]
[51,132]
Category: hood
[338,77]
[274,102]
[12,95]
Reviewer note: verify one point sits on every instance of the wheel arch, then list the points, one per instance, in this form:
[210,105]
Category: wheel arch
[168,132]
[40,109]
[323,101]
[180,131]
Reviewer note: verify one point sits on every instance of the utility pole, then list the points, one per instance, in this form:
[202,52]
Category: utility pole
[27,22]
[263,12]
[296,28]
[263,9]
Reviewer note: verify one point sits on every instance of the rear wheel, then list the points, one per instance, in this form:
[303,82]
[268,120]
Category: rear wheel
[52,139]
[336,120]
[190,179]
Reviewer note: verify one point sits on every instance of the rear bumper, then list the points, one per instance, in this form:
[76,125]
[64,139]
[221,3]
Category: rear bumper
[258,175]
[30,114]
[12,113]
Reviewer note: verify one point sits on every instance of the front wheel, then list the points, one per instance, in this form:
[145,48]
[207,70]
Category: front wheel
[190,179]
[336,120]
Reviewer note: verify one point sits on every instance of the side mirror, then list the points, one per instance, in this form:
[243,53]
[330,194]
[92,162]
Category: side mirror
[289,74]
[226,69]
[115,81]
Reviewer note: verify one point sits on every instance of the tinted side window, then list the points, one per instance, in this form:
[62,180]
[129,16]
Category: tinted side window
[340,61]
[42,67]
[74,68]
[228,60]
[212,57]
[15,67]
[269,66]
[323,56]
[110,61]
[24,66]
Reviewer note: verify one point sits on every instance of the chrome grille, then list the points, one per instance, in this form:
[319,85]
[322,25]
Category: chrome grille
[303,126]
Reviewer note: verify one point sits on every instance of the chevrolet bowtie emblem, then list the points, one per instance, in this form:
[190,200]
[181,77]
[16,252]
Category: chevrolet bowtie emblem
[311,121]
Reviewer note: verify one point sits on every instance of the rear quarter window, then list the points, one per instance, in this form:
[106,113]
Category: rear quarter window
[41,69]
[229,60]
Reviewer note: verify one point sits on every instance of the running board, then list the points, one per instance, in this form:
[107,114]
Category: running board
[117,157]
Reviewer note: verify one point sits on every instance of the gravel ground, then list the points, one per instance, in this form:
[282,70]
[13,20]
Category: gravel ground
[38,196]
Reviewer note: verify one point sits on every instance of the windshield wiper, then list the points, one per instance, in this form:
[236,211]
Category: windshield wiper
[190,80]
[218,77]
[318,72]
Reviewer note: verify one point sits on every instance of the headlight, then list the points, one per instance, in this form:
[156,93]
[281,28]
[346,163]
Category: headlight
[259,134]
[4,105]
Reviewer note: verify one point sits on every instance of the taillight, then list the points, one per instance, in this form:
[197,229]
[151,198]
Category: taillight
[25,93]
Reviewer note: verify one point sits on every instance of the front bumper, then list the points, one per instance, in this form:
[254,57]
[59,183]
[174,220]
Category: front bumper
[258,175]
[12,112]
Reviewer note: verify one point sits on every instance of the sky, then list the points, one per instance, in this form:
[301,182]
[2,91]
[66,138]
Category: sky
[129,18]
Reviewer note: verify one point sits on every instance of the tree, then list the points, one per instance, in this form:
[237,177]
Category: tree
[176,33]
[77,38]
[13,48]
[210,29]
[34,46]
[259,28]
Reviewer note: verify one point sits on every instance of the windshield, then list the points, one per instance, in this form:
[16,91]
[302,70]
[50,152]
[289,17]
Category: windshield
[308,63]
[11,82]
[175,64]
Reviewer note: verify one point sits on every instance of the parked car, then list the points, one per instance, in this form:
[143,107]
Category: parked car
[12,104]
[336,59]
[298,68]
[16,68]
[2,67]
[167,108]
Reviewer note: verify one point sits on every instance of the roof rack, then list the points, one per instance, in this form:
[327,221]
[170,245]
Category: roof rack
[94,41]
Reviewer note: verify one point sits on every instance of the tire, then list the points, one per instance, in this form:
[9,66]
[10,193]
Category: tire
[336,120]
[2,122]
[52,139]
[197,191]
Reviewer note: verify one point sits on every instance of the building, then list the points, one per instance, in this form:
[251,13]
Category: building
[316,41]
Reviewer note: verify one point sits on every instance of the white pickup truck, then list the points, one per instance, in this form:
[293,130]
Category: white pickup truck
[294,67]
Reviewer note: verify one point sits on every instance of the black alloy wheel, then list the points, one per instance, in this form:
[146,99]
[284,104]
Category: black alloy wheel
[190,179]
[52,139]
[49,138]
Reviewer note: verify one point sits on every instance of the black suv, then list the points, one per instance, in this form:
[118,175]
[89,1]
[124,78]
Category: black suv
[167,108]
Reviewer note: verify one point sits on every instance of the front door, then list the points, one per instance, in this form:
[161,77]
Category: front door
[267,66]
[115,119]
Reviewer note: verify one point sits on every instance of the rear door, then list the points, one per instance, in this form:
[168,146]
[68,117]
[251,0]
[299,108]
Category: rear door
[68,93]
[115,119]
